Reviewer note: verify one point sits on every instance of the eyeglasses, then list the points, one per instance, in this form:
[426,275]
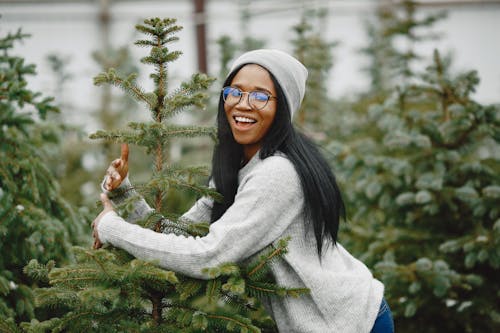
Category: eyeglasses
[256,99]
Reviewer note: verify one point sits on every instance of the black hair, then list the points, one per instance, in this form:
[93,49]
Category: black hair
[323,201]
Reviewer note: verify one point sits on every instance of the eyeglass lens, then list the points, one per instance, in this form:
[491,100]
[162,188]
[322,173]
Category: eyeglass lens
[256,99]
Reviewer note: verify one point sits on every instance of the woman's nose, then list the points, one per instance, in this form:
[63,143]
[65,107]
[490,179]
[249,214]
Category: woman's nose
[244,102]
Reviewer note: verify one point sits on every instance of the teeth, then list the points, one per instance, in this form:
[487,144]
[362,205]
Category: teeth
[244,120]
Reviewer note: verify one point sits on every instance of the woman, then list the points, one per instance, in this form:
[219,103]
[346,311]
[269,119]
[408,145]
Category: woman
[275,183]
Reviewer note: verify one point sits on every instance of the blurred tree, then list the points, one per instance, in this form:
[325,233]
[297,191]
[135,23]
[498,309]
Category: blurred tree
[418,159]
[316,54]
[393,37]
[248,42]
[394,33]
[114,111]
[229,48]
[59,64]
[424,182]
[65,159]
[108,290]
[77,162]
[35,221]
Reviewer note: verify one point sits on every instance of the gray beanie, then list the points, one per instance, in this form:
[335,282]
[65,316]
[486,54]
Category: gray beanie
[289,72]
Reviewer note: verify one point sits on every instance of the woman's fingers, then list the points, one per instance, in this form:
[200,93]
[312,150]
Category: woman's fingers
[111,181]
[116,163]
[97,244]
[113,177]
[118,169]
[124,152]
[107,207]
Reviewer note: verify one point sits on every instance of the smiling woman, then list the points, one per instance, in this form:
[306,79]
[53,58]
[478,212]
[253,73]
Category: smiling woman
[250,118]
[275,184]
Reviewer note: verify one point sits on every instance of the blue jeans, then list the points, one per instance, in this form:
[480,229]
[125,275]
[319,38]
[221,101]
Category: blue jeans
[384,322]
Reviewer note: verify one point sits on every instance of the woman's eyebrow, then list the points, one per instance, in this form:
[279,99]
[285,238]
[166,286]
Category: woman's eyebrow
[263,89]
[259,88]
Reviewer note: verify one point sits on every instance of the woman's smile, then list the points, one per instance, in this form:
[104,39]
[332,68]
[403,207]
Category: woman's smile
[243,123]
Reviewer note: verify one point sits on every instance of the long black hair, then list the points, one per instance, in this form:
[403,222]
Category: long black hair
[322,198]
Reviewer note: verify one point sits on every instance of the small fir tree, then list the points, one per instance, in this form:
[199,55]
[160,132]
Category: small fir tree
[35,221]
[108,290]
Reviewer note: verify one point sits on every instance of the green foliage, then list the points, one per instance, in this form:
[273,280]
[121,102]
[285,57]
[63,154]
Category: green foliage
[316,54]
[422,173]
[64,156]
[417,158]
[394,35]
[35,221]
[109,291]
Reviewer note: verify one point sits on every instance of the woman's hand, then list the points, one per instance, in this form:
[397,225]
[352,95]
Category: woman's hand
[118,170]
[108,207]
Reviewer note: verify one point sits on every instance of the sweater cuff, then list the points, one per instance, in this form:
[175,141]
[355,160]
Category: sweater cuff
[119,194]
[106,224]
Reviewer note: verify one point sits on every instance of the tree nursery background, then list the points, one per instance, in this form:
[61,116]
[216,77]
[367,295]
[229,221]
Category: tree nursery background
[416,155]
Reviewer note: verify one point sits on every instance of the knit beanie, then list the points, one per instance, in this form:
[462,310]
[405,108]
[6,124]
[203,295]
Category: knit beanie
[288,71]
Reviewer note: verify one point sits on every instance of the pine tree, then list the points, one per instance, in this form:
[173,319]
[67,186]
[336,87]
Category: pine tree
[229,49]
[315,53]
[424,182]
[35,221]
[394,35]
[109,291]
[65,159]
[418,159]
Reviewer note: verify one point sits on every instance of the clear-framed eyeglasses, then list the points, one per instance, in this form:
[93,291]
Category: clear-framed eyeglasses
[256,99]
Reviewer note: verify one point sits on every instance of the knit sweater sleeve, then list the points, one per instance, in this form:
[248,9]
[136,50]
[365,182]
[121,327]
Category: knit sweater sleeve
[126,191]
[268,200]
[199,212]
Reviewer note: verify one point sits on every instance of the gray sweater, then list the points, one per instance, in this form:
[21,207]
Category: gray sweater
[344,296]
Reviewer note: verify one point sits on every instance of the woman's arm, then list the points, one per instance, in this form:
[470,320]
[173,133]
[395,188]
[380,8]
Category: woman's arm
[200,212]
[116,185]
[268,201]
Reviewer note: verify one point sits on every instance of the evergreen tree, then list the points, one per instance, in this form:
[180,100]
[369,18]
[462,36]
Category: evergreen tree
[108,290]
[35,221]
[394,36]
[229,49]
[65,159]
[315,53]
[248,42]
[418,159]
[424,182]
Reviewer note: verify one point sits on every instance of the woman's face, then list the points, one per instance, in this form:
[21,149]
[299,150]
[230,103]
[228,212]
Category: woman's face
[250,125]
